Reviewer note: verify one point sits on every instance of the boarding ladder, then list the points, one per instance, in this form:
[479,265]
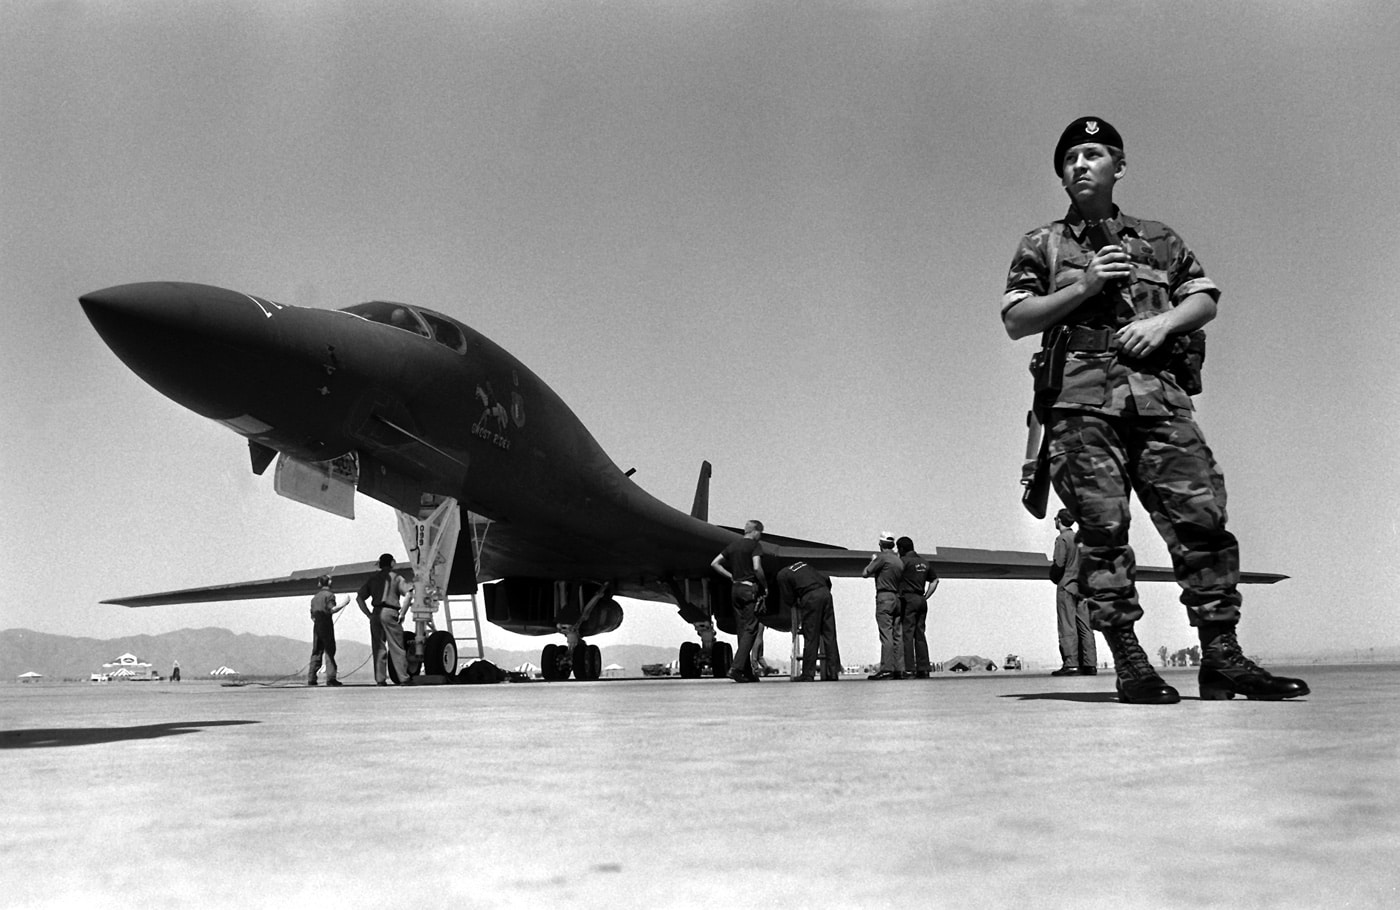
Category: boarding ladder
[465,627]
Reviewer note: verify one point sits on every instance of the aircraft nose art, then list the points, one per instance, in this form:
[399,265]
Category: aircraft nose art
[196,344]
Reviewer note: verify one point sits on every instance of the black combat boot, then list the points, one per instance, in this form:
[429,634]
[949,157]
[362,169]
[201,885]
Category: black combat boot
[1138,683]
[1226,672]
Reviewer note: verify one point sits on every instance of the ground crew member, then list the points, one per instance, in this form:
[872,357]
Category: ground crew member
[740,563]
[1117,294]
[809,590]
[323,610]
[383,589]
[1078,656]
[917,582]
[886,569]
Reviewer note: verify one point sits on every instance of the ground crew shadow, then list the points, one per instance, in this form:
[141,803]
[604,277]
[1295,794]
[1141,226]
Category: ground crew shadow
[1086,697]
[88,736]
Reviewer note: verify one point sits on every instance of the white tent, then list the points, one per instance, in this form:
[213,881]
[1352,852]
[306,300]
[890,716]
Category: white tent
[122,673]
[527,669]
[224,671]
[30,676]
[613,670]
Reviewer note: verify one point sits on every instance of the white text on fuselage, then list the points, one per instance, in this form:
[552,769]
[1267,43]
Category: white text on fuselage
[496,439]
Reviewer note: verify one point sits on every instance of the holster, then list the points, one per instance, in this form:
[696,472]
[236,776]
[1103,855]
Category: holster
[1048,364]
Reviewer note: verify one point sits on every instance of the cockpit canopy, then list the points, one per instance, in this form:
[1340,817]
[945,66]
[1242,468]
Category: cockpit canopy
[412,319]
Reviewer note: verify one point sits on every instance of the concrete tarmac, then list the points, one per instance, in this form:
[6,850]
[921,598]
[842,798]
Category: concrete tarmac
[1005,790]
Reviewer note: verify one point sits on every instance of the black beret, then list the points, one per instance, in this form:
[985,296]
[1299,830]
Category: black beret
[1085,129]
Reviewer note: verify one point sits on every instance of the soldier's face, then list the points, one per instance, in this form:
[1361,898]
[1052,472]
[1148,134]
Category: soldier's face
[1090,170]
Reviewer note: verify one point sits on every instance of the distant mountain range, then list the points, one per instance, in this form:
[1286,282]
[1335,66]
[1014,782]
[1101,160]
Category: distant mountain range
[199,651]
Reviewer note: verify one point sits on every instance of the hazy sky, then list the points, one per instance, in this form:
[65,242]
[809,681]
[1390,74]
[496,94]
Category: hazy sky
[771,235]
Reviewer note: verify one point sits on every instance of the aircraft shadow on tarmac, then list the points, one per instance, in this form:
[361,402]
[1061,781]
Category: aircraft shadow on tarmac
[88,736]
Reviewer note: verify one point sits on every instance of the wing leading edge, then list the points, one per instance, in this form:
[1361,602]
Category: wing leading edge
[959,562]
[300,583]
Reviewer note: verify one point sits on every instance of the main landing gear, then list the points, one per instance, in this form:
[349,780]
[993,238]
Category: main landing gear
[695,659]
[709,653]
[583,660]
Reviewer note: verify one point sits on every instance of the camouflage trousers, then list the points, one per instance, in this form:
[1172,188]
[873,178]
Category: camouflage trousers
[1095,461]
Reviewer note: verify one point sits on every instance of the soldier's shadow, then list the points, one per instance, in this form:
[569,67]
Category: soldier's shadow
[1082,697]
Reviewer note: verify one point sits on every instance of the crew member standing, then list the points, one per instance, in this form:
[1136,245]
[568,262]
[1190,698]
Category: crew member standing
[809,590]
[323,610]
[740,563]
[917,582]
[383,589]
[886,569]
[1117,296]
[1078,656]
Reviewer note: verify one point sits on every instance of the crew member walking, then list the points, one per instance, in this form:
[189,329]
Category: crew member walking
[809,590]
[740,563]
[383,590]
[886,569]
[1078,656]
[917,582]
[1116,297]
[323,610]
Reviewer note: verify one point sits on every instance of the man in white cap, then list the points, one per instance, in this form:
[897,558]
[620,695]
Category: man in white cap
[886,569]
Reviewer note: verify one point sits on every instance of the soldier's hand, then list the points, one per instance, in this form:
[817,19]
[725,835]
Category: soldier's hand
[1140,338]
[1108,264]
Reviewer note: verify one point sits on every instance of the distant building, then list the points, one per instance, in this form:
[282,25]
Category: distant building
[128,668]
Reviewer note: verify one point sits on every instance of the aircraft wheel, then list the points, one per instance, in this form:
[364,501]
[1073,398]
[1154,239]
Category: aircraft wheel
[690,659]
[440,655]
[588,662]
[549,662]
[722,658]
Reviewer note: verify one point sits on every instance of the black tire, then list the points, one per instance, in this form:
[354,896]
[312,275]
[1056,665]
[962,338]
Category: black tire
[588,662]
[690,659]
[440,655]
[722,658]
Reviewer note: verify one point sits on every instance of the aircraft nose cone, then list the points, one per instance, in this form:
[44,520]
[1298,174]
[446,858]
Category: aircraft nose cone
[194,343]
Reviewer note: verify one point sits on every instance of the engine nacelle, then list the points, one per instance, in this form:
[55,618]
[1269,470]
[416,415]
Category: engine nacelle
[535,606]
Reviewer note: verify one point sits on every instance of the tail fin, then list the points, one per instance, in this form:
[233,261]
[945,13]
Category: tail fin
[701,508]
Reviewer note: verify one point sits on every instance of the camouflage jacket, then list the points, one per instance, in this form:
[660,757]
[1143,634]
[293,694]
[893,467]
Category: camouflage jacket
[1165,272]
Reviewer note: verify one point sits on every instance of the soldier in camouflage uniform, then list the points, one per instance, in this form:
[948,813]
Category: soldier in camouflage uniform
[1125,292]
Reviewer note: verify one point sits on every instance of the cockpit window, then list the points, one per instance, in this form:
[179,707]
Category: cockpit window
[445,332]
[393,314]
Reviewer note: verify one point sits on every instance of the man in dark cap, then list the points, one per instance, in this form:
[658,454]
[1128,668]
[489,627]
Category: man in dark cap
[917,582]
[1115,296]
[1078,656]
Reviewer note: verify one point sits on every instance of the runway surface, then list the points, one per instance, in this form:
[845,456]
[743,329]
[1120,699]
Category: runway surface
[1008,790]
